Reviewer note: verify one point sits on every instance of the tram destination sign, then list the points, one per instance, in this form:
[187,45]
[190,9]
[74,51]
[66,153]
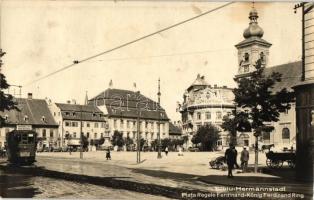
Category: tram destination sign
[24,127]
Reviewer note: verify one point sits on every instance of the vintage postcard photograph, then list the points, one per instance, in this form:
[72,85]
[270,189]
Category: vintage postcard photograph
[143,99]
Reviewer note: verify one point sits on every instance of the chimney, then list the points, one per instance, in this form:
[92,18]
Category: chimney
[68,102]
[29,95]
[73,101]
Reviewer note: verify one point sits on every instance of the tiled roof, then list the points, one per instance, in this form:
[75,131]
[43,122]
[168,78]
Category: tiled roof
[32,109]
[174,130]
[73,112]
[125,103]
[291,75]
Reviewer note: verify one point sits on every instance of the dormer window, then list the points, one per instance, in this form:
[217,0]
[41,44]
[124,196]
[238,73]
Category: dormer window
[26,118]
[43,118]
[94,115]
[74,114]
[6,117]
[67,113]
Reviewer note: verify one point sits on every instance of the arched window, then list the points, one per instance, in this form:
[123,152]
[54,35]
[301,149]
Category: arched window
[285,133]
[246,57]
[266,137]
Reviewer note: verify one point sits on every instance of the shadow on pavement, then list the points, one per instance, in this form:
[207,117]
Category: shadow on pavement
[16,186]
[110,182]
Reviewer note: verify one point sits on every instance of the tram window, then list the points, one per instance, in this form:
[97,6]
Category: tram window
[30,138]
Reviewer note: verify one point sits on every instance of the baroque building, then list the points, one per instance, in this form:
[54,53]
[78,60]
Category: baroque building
[33,114]
[251,49]
[123,108]
[204,104]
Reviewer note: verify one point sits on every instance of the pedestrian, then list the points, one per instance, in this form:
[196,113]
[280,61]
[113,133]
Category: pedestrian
[244,159]
[166,151]
[236,158]
[108,156]
[230,156]
[180,152]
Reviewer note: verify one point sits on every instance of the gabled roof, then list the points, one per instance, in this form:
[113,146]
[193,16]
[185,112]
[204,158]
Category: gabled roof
[84,112]
[34,110]
[125,103]
[291,75]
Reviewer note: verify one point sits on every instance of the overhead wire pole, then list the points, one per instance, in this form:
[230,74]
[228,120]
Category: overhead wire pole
[158,135]
[75,62]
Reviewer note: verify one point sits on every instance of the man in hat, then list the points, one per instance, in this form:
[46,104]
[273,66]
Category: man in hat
[230,156]
[244,159]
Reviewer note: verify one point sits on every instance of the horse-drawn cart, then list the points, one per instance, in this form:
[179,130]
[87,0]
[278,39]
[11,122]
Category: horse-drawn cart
[276,159]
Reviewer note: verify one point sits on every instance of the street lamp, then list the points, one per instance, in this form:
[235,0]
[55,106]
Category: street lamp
[138,150]
[158,136]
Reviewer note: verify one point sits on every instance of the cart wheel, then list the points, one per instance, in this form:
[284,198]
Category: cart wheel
[291,164]
[268,162]
[276,163]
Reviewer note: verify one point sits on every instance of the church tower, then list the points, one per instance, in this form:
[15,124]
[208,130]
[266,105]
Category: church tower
[253,47]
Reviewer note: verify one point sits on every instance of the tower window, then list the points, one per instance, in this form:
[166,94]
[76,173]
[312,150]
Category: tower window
[246,57]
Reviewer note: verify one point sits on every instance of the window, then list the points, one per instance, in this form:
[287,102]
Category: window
[262,56]
[51,133]
[74,114]
[128,124]
[146,124]
[74,134]
[121,123]
[67,113]
[285,135]
[246,57]
[266,137]
[43,118]
[96,125]
[199,116]
[87,124]
[67,123]
[26,118]
[246,68]
[54,113]
[94,115]
[102,125]
[95,135]
[6,117]
[82,124]
[87,134]
[115,123]
[74,124]
[101,135]
[44,133]
[151,135]
[218,115]
[208,115]
[134,124]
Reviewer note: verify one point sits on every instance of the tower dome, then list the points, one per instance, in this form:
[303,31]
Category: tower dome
[254,30]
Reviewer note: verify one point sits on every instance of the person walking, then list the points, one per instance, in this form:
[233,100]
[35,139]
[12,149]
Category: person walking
[244,159]
[108,155]
[166,151]
[230,156]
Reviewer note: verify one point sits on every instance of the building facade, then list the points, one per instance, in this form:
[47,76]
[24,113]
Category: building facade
[33,113]
[204,104]
[74,119]
[124,107]
[254,48]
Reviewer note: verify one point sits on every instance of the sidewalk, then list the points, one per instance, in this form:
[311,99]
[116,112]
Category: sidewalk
[265,179]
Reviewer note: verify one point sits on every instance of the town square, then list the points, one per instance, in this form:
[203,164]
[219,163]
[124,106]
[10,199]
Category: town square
[156,99]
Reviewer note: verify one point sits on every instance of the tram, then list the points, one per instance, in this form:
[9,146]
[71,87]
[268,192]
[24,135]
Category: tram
[21,146]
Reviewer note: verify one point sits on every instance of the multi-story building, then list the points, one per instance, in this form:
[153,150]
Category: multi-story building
[252,48]
[34,114]
[175,130]
[204,104]
[123,107]
[74,119]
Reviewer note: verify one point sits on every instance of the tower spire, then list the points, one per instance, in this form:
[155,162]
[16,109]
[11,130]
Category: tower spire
[86,98]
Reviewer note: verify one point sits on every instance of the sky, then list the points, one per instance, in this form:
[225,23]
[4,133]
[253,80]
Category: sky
[41,37]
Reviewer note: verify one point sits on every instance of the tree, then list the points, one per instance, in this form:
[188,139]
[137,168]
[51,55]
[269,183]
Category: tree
[207,137]
[6,100]
[256,103]
[117,139]
[101,141]
[165,143]
[128,142]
